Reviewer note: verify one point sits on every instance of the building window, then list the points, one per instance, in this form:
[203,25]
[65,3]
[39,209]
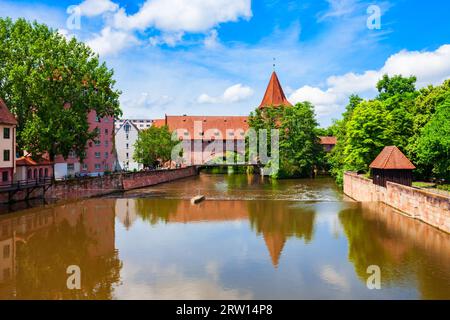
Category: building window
[6,133]
[70,167]
[128,155]
[46,172]
[126,136]
[127,128]
[127,146]
[106,143]
[97,119]
[5,176]
[97,143]
[72,154]
[97,166]
[106,155]
[97,154]
[85,166]
[6,155]
[106,131]
[106,167]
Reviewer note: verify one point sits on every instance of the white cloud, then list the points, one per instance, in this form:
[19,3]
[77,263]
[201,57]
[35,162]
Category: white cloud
[430,67]
[338,8]
[212,40]
[111,41]
[183,15]
[233,94]
[170,39]
[92,8]
[329,275]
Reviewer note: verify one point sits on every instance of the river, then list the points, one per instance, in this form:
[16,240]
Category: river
[252,238]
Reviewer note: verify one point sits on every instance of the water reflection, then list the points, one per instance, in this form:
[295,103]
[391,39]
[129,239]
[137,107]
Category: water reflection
[408,251]
[162,247]
[38,246]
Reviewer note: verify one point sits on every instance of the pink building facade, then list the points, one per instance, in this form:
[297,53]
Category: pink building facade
[100,155]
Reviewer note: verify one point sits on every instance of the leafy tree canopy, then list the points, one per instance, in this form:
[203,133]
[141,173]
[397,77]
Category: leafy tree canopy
[299,148]
[154,146]
[51,84]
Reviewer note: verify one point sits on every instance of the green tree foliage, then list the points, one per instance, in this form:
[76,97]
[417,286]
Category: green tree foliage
[396,117]
[154,146]
[51,84]
[299,144]
[395,86]
[433,146]
[367,135]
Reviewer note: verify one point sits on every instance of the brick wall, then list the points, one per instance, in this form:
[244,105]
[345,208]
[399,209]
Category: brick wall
[145,179]
[431,208]
[98,186]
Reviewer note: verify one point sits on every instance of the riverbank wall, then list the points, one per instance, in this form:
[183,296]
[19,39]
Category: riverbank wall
[99,186]
[428,207]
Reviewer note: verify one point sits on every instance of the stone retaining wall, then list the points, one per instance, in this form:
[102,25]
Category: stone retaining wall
[99,186]
[431,208]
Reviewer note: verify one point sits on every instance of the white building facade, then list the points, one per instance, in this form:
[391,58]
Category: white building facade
[126,136]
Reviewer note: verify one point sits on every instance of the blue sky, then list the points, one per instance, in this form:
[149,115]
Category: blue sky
[214,57]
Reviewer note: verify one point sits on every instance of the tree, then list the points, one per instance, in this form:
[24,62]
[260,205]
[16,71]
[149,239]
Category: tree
[433,146]
[425,106]
[367,134]
[336,157]
[396,85]
[154,146]
[299,148]
[51,84]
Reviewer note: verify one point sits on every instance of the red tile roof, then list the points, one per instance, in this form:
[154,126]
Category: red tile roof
[328,140]
[274,95]
[392,158]
[159,122]
[28,161]
[6,117]
[214,128]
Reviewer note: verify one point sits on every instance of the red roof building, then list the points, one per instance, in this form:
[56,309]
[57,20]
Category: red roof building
[32,170]
[6,117]
[328,143]
[392,165]
[274,95]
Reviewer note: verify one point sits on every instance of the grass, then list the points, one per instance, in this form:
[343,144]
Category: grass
[445,187]
[421,184]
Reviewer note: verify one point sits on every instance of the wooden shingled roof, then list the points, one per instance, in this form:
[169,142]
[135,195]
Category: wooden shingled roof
[391,158]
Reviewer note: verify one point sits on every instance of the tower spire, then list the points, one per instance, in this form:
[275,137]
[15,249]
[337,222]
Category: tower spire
[274,95]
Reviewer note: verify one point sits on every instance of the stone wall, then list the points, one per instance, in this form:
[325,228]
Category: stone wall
[431,208]
[99,186]
[145,179]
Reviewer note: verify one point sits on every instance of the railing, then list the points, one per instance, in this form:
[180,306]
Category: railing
[25,184]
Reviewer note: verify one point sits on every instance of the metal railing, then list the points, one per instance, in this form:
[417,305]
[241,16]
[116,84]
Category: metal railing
[25,184]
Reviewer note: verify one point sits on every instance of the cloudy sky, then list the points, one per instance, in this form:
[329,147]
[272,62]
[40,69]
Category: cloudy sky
[215,57]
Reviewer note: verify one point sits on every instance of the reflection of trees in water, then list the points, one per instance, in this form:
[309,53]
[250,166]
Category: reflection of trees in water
[156,210]
[379,236]
[43,259]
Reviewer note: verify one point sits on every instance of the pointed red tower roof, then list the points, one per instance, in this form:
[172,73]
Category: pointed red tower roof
[392,158]
[274,95]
